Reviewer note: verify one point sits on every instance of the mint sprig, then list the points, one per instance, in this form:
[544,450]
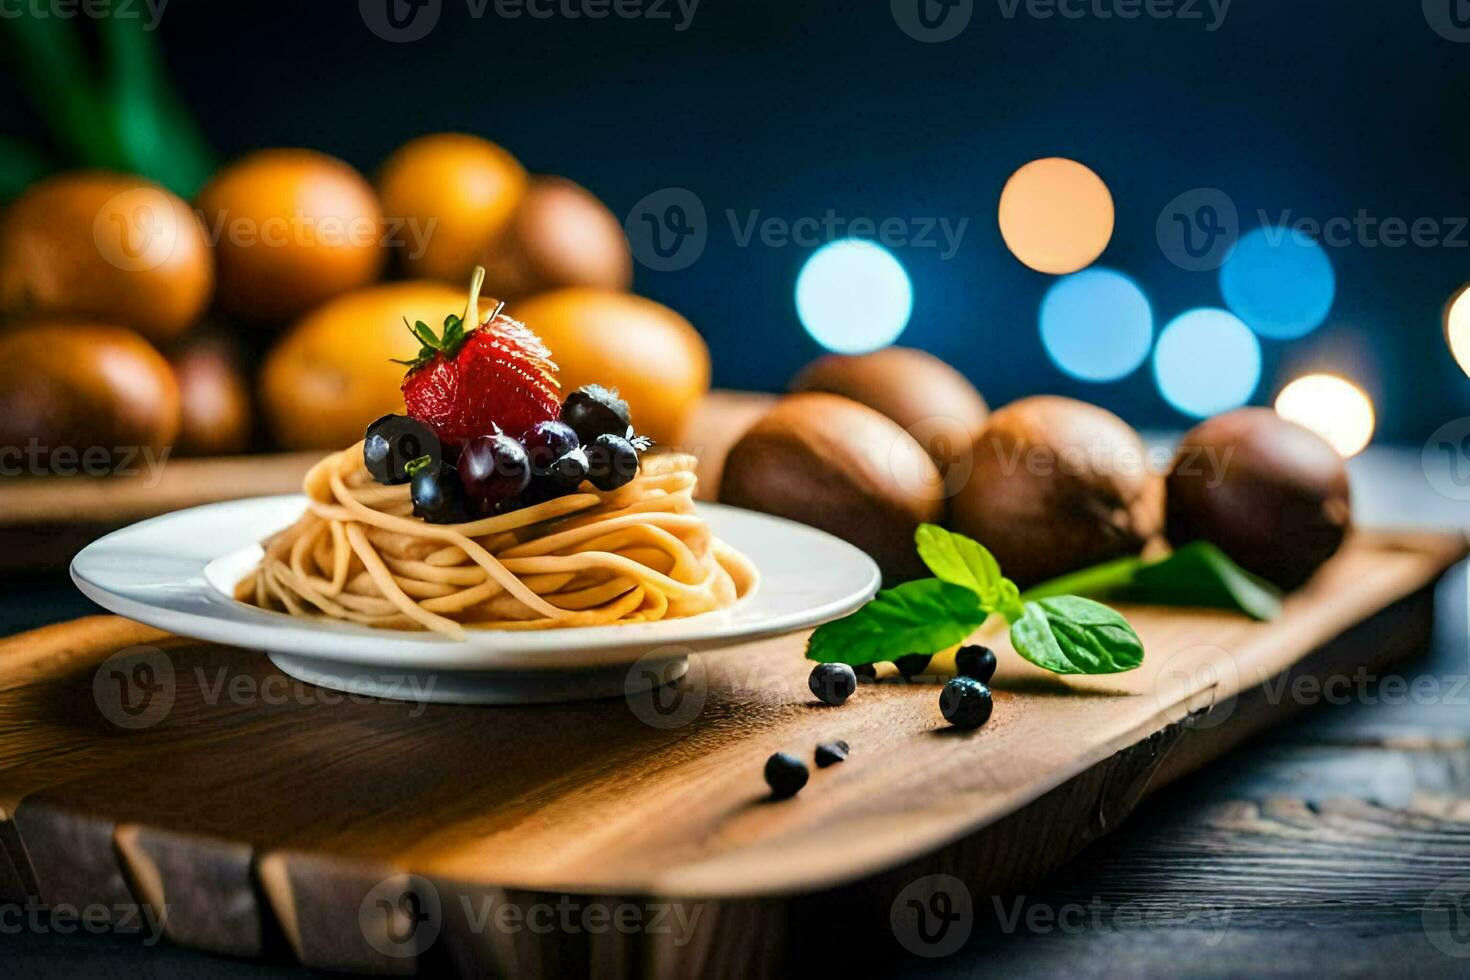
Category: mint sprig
[1072,635]
[1063,634]
[922,616]
[1197,574]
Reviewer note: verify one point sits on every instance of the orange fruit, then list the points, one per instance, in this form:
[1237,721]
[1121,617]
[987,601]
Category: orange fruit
[451,195]
[652,355]
[292,229]
[79,386]
[105,246]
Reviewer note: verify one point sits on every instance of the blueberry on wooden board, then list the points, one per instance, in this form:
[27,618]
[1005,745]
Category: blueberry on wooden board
[831,753]
[913,664]
[786,775]
[965,702]
[832,683]
[977,662]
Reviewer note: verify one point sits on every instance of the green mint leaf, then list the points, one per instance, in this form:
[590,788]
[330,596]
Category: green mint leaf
[1009,604]
[1197,574]
[1096,580]
[924,616]
[1072,635]
[959,560]
[1200,574]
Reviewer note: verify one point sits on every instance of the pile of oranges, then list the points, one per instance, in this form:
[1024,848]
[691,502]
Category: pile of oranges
[265,313]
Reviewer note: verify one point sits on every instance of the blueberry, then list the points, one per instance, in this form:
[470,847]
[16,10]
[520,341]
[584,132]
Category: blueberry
[438,496]
[965,702]
[594,411]
[832,683]
[977,662]
[494,468]
[394,441]
[866,672]
[786,775]
[611,462]
[831,753]
[547,442]
[563,476]
[569,469]
[913,664]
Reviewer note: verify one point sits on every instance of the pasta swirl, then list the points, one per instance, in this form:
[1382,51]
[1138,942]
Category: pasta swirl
[636,554]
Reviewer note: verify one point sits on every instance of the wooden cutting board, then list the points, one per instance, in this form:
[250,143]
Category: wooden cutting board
[272,819]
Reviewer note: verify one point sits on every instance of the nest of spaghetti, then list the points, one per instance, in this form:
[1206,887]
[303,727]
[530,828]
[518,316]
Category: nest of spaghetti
[636,554]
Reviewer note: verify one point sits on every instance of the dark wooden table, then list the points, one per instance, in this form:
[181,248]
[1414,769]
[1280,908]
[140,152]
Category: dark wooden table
[1339,844]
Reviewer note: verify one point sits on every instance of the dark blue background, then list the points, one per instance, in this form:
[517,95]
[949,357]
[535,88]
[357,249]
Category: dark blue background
[1321,108]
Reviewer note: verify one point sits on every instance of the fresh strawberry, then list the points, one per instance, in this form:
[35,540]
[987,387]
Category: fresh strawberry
[468,383]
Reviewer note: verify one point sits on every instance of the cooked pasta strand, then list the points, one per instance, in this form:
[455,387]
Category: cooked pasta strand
[637,554]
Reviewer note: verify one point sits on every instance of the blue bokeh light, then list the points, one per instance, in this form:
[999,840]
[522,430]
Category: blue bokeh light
[1280,282]
[1207,361]
[1097,325]
[853,296]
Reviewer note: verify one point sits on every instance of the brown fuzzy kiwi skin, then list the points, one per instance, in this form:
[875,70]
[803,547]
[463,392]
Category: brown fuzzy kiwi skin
[837,465]
[1273,495]
[923,394]
[1057,485]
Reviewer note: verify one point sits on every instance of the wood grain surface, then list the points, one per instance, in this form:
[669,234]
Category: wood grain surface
[269,818]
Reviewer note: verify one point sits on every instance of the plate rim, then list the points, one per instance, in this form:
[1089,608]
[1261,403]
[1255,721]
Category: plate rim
[591,646]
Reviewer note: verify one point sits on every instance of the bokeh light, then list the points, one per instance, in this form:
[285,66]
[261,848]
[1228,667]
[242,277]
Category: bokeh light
[1097,325]
[1334,408]
[853,296]
[1457,327]
[1056,215]
[1280,282]
[1207,361]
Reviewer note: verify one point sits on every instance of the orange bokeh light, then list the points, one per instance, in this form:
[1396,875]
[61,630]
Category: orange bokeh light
[1056,215]
[1333,407]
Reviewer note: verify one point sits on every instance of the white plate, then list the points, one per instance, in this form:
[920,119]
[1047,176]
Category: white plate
[177,572]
